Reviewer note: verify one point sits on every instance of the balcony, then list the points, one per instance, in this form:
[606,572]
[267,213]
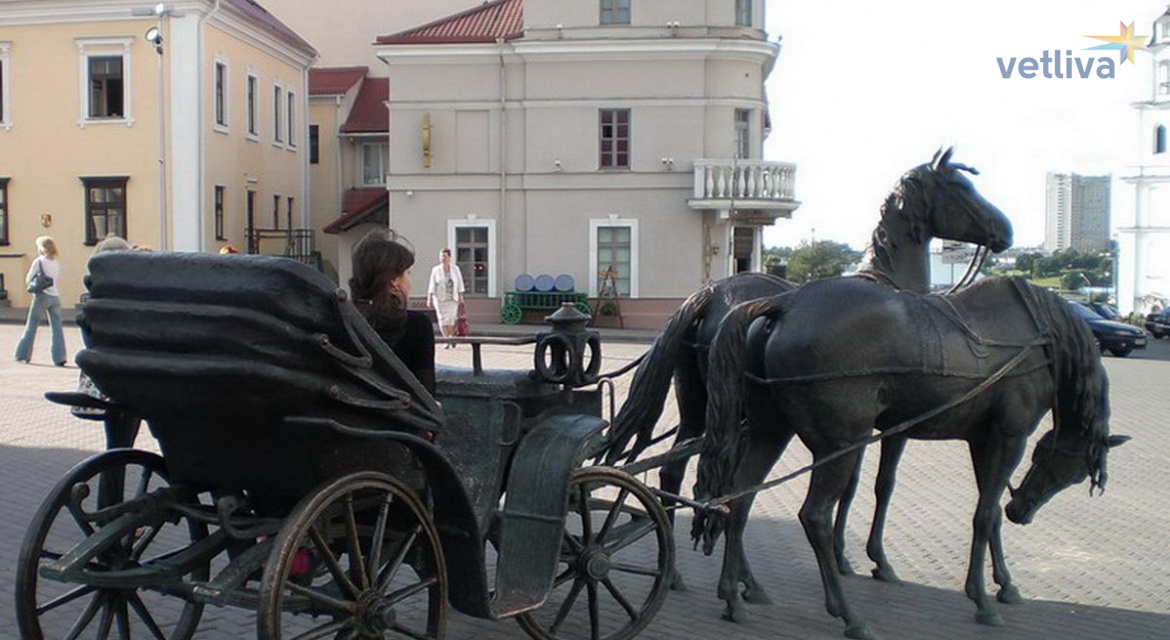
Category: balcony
[746,191]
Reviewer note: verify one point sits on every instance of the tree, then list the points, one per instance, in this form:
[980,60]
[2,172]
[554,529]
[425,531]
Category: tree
[824,259]
[1025,261]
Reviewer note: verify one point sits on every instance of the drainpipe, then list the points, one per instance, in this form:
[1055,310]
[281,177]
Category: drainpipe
[502,255]
[202,146]
[339,195]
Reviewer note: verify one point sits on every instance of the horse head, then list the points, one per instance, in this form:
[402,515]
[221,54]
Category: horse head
[1059,461]
[939,201]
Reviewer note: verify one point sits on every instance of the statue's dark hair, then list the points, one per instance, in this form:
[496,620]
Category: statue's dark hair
[378,258]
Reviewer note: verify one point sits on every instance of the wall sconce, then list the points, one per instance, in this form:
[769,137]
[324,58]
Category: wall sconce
[557,166]
[46,220]
[426,140]
[673,26]
[668,163]
[560,31]
[409,193]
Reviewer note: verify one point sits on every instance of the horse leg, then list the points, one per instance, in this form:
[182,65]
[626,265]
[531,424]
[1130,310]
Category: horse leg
[883,490]
[760,454]
[690,395]
[993,460]
[842,520]
[1008,593]
[825,488]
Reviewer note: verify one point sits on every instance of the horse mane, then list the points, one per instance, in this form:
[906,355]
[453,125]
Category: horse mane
[647,396]
[909,202]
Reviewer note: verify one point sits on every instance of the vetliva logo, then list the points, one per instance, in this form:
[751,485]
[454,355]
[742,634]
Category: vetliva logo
[1125,42]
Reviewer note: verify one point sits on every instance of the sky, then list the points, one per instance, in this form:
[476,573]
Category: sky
[863,91]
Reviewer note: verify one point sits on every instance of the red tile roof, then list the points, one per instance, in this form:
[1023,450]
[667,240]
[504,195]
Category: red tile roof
[369,113]
[357,206]
[331,81]
[485,23]
[269,21]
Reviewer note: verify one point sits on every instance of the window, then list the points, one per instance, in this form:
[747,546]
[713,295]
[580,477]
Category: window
[613,246]
[250,215]
[277,105]
[472,249]
[743,133]
[105,208]
[374,157]
[1164,78]
[221,94]
[292,120]
[253,84]
[3,211]
[105,87]
[219,194]
[1160,139]
[743,13]
[314,145]
[615,11]
[5,117]
[275,212]
[289,213]
[615,138]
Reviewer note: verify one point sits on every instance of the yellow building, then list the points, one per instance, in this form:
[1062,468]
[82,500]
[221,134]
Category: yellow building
[179,126]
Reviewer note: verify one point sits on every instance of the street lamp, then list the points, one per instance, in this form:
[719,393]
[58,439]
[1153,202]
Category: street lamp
[154,36]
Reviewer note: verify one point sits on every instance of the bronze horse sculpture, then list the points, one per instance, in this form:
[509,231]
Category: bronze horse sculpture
[931,200]
[803,363]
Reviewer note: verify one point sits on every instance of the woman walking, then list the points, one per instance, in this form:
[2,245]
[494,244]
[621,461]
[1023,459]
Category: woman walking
[46,301]
[445,293]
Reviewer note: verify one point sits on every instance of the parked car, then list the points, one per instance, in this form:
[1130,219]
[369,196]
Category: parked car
[1117,338]
[1158,323]
[1104,310]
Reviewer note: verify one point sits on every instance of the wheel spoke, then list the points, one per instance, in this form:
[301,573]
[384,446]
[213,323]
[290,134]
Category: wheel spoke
[325,630]
[107,619]
[614,510]
[406,592]
[143,542]
[340,606]
[613,591]
[583,509]
[630,534]
[574,543]
[86,616]
[144,482]
[357,564]
[566,606]
[594,613]
[566,575]
[331,562]
[122,617]
[411,632]
[75,513]
[65,598]
[634,569]
[379,536]
[387,574]
[145,617]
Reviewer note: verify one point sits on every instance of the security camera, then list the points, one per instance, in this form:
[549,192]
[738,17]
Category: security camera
[154,36]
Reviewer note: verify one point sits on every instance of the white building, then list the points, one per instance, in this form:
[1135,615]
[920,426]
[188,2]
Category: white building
[1143,271]
[566,136]
[1077,212]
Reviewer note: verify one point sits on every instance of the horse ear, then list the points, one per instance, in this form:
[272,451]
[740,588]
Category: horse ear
[941,162]
[935,157]
[1116,441]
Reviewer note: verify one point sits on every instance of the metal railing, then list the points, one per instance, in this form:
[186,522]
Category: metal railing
[298,244]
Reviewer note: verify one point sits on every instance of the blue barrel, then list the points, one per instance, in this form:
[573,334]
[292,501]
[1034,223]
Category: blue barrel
[564,283]
[524,282]
[545,282]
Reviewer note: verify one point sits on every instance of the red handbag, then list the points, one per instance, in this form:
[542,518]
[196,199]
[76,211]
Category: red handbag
[462,327]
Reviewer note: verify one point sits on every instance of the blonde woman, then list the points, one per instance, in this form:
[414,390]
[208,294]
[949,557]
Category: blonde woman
[46,302]
[444,293]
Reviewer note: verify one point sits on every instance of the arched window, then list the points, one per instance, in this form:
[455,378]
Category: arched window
[1160,139]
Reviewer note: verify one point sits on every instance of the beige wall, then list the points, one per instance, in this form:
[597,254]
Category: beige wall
[240,162]
[325,206]
[46,152]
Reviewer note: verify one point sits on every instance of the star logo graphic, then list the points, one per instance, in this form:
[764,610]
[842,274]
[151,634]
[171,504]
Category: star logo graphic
[1125,41]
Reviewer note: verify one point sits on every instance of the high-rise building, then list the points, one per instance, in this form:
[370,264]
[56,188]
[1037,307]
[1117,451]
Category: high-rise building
[1077,212]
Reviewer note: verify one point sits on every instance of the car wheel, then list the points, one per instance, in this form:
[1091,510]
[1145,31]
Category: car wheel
[1157,334]
[1121,353]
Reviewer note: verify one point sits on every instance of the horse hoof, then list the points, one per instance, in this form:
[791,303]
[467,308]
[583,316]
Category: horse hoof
[989,618]
[735,613]
[1009,594]
[676,582]
[756,595]
[844,568]
[860,631]
[885,574]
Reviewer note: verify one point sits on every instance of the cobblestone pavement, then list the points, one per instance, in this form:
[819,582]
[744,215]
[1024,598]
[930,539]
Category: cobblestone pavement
[1089,567]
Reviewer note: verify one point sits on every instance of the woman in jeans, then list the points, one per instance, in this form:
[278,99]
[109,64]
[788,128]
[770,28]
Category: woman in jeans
[47,303]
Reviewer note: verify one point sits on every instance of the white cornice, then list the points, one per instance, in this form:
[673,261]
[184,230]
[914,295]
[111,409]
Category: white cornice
[239,25]
[749,50]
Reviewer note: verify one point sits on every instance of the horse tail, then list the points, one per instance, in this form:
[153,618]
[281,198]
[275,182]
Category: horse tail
[644,403]
[725,396]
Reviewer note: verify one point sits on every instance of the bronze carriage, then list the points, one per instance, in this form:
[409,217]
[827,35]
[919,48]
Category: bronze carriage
[307,475]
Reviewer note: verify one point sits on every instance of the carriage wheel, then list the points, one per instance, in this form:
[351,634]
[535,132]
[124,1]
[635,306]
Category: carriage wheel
[617,557]
[47,608]
[511,314]
[363,559]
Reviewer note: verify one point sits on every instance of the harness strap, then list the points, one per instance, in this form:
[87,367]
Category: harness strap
[716,504]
